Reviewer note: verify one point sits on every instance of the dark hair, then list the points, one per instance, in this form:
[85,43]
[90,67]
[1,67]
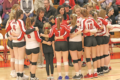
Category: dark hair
[18,14]
[57,12]
[29,22]
[59,20]
[51,17]
[40,10]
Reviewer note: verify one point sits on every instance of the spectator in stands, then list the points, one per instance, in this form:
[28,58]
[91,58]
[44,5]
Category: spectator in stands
[61,10]
[70,2]
[52,20]
[27,7]
[56,2]
[81,2]
[49,10]
[110,16]
[40,3]
[67,9]
[40,20]
[14,8]
[1,7]
[105,4]
[115,7]
[7,5]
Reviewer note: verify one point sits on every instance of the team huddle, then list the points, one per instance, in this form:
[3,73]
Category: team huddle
[86,34]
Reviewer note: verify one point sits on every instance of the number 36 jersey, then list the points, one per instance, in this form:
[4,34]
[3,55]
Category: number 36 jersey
[17,27]
[63,31]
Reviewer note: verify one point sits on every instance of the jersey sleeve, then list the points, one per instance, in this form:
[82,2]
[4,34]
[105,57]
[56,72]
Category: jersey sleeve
[8,28]
[37,36]
[104,22]
[21,36]
[51,32]
[22,26]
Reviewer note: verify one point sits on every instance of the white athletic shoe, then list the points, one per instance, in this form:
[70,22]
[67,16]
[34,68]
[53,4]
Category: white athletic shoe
[17,78]
[13,74]
[43,65]
[25,77]
[34,78]
[48,78]
[52,78]
[39,65]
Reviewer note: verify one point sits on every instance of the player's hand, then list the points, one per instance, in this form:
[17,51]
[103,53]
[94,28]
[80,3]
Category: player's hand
[49,43]
[10,38]
[36,28]
[78,24]
[86,31]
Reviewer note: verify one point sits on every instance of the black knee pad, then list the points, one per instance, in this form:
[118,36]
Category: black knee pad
[30,62]
[83,49]
[106,55]
[75,61]
[94,59]
[101,57]
[98,57]
[34,63]
[79,59]
[88,60]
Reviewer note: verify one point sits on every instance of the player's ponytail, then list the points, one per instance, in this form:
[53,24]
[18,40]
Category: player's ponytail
[46,29]
[59,20]
[18,14]
[94,14]
[73,17]
[29,22]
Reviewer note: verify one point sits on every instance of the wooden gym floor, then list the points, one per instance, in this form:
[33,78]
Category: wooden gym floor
[114,74]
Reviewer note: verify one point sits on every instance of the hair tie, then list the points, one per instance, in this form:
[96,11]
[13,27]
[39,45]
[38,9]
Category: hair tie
[46,27]
[58,17]
[74,14]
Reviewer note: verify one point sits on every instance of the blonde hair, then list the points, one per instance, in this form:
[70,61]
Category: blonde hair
[94,14]
[102,13]
[59,20]
[46,29]
[76,6]
[29,22]
[74,19]
[13,12]
[84,12]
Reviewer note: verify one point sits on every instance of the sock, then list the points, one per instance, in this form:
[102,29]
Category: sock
[98,69]
[83,59]
[59,74]
[102,69]
[32,75]
[89,71]
[21,74]
[77,73]
[95,70]
[66,73]
[80,72]
[18,74]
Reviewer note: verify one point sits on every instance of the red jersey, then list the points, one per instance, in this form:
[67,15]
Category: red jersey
[89,24]
[101,22]
[64,31]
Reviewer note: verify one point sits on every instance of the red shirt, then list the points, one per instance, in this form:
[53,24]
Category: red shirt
[117,2]
[64,31]
[71,2]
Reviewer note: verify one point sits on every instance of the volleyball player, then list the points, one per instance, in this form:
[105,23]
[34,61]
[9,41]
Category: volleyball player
[61,47]
[75,46]
[90,43]
[76,10]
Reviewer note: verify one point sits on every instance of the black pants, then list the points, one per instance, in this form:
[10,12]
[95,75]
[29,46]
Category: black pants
[69,56]
[49,61]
